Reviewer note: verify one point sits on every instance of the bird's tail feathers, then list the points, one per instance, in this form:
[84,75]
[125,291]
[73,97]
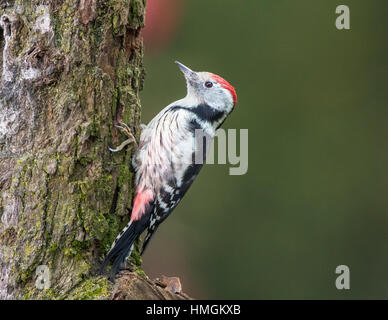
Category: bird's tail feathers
[121,249]
[123,245]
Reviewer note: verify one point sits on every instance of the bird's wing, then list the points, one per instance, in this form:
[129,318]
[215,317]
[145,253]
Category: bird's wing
[166,163]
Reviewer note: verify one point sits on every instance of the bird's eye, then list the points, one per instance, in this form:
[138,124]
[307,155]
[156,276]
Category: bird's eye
[208,84]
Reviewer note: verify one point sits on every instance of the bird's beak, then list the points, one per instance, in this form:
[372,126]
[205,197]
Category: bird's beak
[189,74]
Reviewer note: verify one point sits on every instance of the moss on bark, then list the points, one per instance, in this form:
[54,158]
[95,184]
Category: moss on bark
[71,71]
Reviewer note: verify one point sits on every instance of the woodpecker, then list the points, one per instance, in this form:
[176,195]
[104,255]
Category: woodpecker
[163,160]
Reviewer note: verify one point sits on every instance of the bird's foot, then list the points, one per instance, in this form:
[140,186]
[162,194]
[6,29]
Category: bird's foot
[128,132]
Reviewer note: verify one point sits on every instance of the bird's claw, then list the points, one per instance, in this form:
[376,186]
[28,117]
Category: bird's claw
[125,129]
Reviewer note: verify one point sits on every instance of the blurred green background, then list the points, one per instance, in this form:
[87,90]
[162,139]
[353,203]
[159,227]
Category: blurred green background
[314,100]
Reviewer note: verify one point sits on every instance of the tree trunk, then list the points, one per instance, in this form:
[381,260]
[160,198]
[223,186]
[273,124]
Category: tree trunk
[70,70]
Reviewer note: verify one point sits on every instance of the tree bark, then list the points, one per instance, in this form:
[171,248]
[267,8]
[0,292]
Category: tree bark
[70,70]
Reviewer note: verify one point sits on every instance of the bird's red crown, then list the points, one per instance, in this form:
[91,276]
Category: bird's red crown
[225,84]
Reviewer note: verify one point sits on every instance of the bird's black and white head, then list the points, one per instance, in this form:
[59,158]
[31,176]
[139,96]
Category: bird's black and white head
[209,91]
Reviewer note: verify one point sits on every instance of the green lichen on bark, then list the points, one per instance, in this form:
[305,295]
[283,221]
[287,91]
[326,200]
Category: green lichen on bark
[67,197]
[95,288]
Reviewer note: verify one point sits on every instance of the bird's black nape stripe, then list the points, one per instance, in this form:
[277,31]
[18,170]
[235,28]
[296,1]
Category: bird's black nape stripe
[207,113]
[204,112]
[122,248]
